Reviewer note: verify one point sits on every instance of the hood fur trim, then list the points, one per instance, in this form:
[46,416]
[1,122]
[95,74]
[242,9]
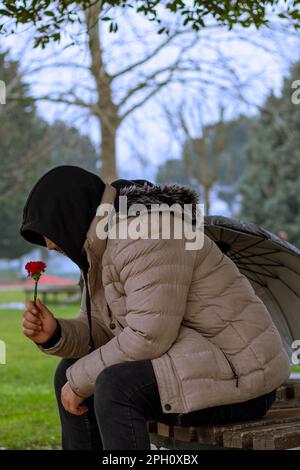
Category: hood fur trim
[160,194]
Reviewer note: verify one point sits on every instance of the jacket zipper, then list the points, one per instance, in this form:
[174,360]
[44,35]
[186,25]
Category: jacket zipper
[119,324]
[235,374]
[180,386]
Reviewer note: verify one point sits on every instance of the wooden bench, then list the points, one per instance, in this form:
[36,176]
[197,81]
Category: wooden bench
[72,291]
[279,429]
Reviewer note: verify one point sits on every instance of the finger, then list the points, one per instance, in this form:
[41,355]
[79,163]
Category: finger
[29,332]
[77,411]
[71,408]
[65,405]
[43,310]
[83,408]
[40,305]
[32,318]
[31,307]
[65,401]
[31,326]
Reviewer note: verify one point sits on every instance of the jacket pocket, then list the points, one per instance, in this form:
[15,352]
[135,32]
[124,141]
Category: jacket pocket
[233,369]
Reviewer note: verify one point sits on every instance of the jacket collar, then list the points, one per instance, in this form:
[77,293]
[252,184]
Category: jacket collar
[157,194]
[160,193]
[94,245]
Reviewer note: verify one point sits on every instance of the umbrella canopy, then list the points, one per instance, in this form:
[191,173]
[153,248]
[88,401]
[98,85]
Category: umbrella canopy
[271,264]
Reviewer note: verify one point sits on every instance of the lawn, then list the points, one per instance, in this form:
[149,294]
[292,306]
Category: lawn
[28,413]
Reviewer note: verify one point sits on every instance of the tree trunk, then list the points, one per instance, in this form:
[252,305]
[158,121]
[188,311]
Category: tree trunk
[105,110]
[108,157]
[207,199]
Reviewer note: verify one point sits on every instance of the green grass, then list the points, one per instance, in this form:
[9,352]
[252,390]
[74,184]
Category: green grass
[28,412]
[19,296]
[11,296]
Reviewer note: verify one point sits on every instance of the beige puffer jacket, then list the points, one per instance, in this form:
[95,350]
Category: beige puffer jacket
[210,339]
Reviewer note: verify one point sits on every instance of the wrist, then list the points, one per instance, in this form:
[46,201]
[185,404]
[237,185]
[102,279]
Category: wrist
[54,337]
[75,393]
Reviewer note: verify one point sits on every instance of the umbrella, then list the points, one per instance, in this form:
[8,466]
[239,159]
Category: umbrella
[272,266]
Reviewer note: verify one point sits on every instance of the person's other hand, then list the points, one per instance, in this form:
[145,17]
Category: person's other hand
[71,401]
[39,323]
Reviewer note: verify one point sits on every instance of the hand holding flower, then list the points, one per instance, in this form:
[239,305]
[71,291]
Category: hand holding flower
[39,323]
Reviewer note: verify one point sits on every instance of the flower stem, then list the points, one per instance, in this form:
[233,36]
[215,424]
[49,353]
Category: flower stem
[35,292]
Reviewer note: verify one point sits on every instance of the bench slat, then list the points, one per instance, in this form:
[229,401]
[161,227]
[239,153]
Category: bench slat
[279,429]
[278,440]
[214,434]
[244,439]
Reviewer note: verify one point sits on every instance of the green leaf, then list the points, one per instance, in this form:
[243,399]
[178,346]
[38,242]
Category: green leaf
[5,13]
[11,7]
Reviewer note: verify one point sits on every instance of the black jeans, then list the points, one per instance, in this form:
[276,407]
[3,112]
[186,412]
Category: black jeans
[126,396]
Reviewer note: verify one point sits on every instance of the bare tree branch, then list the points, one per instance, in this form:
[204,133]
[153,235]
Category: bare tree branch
[150,56]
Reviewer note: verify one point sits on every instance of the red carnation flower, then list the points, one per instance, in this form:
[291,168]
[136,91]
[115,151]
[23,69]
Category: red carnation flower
[35,269]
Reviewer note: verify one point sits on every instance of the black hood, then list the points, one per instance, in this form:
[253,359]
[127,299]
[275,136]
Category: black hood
[61,206]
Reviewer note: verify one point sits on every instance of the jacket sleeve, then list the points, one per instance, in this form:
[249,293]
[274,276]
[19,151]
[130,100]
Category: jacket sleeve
[74,334]
[155,275]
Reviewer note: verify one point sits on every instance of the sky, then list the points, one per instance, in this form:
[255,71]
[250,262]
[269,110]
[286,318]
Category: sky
[255,60]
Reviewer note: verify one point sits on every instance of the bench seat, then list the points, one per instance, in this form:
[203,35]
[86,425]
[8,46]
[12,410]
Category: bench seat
[278,429]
